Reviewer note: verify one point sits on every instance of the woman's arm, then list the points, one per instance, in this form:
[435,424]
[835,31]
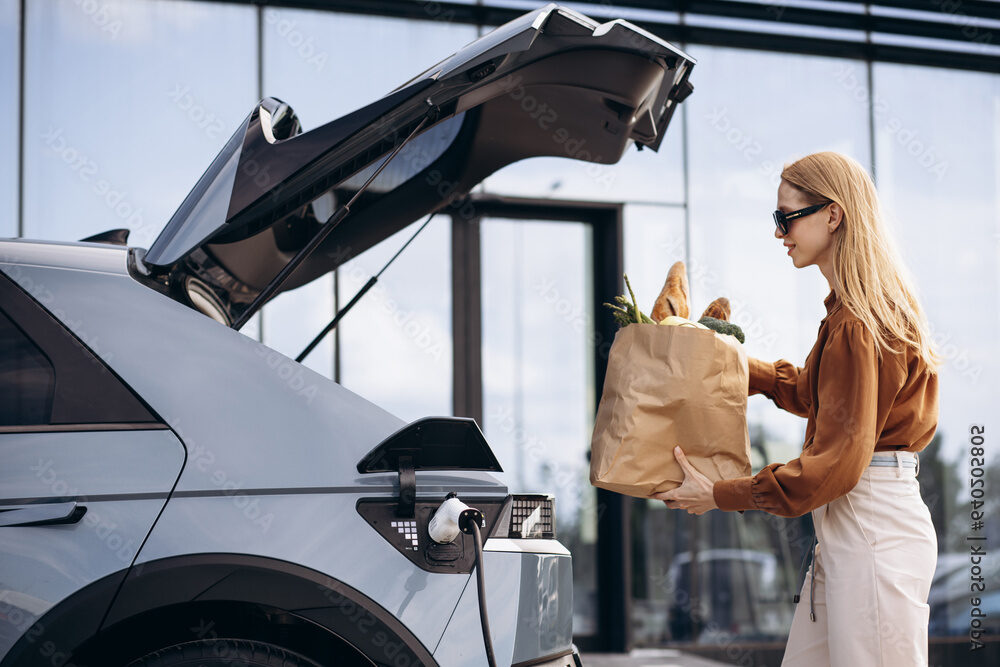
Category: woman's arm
[782,382]
[845,436]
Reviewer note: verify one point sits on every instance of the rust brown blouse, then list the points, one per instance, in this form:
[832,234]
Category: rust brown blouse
[855,405]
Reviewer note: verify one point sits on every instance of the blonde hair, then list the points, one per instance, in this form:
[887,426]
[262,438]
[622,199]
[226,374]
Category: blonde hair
[870,278]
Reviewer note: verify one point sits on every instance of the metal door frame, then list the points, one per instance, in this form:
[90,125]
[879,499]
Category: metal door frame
[613,510]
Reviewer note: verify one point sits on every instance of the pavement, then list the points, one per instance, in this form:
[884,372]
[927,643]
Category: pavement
[656,657]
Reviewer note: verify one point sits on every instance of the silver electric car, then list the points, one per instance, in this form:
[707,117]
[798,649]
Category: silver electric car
[173,492]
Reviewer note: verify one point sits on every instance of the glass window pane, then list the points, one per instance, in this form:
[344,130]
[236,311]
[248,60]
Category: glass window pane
[292,319]
[739,590]
[27,379]
[639,176]
[938,169]
[127,103]
[740,571]
[395,344]
[538,388]
[9,65]
[743,129]
[654,239]
[327,64]
[748,562]
[310,62]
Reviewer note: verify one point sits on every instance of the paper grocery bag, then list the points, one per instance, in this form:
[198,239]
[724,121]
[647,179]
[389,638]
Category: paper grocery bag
[666,386]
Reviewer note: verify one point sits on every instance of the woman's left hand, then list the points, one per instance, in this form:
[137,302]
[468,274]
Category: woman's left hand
[694,494]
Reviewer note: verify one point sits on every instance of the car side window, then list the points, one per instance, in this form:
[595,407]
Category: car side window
[49,379]
[27,379]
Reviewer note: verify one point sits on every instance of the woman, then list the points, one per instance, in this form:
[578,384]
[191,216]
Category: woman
[869,389]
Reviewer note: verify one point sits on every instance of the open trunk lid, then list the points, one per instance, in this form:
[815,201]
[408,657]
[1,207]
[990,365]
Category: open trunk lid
[543,83]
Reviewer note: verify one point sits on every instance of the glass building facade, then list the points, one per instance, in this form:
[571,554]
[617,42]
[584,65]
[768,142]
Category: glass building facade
[111,110]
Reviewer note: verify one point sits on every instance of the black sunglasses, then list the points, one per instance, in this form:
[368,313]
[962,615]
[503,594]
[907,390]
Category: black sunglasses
[782,219]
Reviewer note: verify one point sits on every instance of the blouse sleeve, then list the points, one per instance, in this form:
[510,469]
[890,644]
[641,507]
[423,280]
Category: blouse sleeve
[843,442]
[782,382]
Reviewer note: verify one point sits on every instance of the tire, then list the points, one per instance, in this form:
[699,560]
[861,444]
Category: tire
[223,653]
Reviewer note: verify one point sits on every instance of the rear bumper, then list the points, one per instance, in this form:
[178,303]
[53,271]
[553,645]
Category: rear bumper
[529,591]
[571,659]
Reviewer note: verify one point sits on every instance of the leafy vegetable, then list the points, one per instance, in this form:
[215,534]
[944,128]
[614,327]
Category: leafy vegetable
[627,312]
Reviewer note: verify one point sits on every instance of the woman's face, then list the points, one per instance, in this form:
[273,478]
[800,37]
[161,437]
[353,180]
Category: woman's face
[808,237]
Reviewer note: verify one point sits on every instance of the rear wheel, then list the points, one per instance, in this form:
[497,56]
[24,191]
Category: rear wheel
[223,653]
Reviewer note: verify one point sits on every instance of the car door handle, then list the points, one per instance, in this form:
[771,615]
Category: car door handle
[42,514]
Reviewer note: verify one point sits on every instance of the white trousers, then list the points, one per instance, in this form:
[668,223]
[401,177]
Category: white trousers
[873,564]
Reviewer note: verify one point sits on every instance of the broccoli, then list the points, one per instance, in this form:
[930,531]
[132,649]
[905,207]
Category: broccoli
[723,327]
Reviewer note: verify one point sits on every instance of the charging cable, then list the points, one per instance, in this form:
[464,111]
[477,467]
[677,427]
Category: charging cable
[451,518]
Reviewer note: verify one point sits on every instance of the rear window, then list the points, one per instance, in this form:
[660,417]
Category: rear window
[27,379]
[35,351]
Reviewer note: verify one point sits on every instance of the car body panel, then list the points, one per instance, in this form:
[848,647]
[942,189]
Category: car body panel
[123,478]
[303,471]
[75,464]
[531,614]
[320,429]
[310,530]
[317,430]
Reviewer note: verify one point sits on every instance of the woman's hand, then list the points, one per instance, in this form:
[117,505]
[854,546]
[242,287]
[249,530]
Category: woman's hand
[694,494]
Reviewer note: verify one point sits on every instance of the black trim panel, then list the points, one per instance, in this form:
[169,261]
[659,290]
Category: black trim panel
[65,626]
[455,558]
[275,583]
[149,588]
[749,38]
[71,428]
[216,493]
[433,443]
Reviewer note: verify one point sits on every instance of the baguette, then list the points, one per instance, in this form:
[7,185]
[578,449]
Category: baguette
[719,309]
[674,297]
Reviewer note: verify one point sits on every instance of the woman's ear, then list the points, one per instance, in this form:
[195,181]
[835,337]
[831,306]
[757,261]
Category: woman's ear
[836,217]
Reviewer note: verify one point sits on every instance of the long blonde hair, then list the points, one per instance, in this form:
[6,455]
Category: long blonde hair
[870,277]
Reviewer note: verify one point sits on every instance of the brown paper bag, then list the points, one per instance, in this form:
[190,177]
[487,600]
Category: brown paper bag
[666,386]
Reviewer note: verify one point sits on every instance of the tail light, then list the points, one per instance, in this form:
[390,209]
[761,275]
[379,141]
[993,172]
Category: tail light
[527,516]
